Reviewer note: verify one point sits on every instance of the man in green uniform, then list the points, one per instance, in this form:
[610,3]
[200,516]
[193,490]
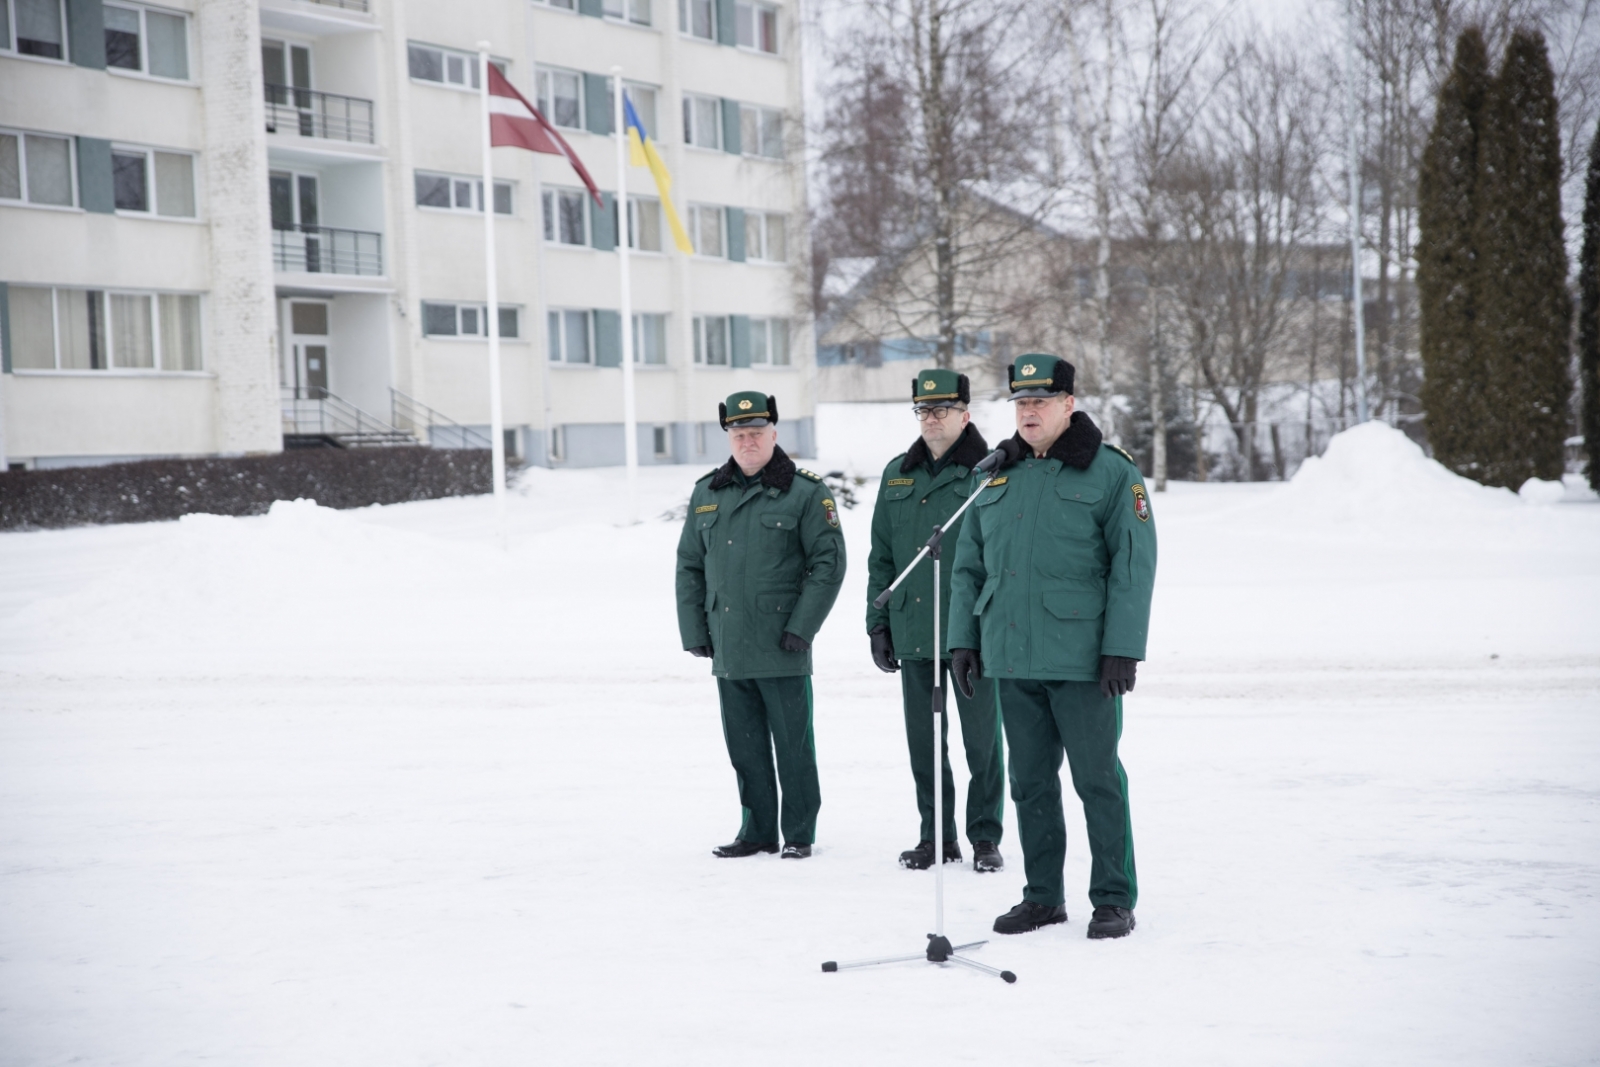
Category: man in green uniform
[921,488]
[760,562]
[1052,583]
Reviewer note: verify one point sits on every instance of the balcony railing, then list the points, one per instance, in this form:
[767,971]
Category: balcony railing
[325,250]
[347,5]
[310,113]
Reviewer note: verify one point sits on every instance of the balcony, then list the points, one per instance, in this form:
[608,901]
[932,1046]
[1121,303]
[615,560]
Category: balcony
[326,250]
[310,113]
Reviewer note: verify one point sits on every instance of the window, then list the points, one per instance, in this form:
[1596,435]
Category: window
[702,121]
[565,220]
[450,193]
[705,230]
[136,173]
[644,224]
[446,66]
[643,98]
[90,329]
[769,342]
[571,339]
[765,237]
[659,438]
[697,18]
[285,64]
[756,26]
[761,131]
[293,200]
[650,339]
[33,28]
[564,5]
[144,39]
[467,320]
[711,340]
[36,168]
[635,11]
[558,94]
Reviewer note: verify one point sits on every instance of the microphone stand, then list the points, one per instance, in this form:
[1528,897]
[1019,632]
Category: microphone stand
[939,949]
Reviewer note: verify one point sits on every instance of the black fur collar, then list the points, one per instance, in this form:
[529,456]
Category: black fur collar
[1077,447]
[777,474]
[969,448]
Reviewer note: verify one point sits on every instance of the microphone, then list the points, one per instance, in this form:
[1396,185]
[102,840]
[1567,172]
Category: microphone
[1004,456]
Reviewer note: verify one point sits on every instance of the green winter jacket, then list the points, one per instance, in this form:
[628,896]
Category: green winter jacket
[755,560]
[1056,563]
[911,502]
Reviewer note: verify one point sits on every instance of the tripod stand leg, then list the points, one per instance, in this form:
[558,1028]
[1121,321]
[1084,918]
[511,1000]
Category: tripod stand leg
[831,966]
[1005,976]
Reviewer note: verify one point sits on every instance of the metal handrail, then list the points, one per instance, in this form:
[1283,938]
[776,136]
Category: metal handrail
[309,410]
[422,420]
[327,250]
[312,113]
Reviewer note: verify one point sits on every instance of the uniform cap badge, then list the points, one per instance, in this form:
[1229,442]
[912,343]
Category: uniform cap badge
[930,384]
[744,405]
[1027,371]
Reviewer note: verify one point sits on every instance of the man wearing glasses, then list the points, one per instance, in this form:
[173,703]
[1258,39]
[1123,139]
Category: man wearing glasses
[920,489]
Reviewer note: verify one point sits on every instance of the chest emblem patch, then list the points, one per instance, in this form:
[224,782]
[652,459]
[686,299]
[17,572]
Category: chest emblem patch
[703,508]
[902,481]
[1000,481]
[829,513]
[1141,505]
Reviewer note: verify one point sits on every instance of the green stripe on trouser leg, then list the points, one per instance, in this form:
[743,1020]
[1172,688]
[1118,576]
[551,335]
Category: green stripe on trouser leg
[980,735]
[1043,720]
[760,717]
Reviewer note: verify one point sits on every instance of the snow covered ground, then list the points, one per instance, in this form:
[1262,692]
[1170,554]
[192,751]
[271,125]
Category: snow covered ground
[361,788]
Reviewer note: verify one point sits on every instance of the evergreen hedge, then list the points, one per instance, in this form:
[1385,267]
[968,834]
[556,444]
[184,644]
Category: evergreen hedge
[1589,313]
[153,490]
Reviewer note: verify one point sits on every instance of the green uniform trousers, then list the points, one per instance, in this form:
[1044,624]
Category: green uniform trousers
[980,732]
[760,715]
[1043,719]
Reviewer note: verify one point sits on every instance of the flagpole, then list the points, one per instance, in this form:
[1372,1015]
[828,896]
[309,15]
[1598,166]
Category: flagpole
[497,437]
[630,428]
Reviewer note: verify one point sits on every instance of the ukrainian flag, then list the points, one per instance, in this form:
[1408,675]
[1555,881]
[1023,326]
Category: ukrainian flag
[642,153]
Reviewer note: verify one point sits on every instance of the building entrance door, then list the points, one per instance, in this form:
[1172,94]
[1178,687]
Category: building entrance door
[308,348]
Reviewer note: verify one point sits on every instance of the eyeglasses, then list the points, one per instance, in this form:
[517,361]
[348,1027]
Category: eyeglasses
[939,413]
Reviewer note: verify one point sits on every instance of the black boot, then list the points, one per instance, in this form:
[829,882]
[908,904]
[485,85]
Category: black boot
[796,852]
[1111,921]
[743,848]
[1029,916]
[921,857]
[986,857]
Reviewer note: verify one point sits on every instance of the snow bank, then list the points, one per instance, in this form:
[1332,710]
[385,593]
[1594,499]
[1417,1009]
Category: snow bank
[1373,470]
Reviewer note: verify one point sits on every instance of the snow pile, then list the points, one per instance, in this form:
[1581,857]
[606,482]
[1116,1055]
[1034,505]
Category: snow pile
[1373,471]
[1542,493]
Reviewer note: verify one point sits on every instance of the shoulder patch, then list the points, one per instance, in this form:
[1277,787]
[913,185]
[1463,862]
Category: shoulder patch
[1121,452]
[808,474]
[902,481]
[830,513]
[1141,503]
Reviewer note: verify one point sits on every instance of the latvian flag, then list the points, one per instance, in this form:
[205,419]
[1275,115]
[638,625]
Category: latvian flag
[515,123]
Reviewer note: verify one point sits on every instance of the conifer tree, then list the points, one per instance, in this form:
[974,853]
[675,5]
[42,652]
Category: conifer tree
[1523,309]
[1589,312]
[1454,368]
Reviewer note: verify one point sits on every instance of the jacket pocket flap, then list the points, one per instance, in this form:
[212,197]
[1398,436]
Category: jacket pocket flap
[983,597]
[780,522]
[1075,605]
[898,492]
[776,601]
[704,519]
[990,495]
[1085,494]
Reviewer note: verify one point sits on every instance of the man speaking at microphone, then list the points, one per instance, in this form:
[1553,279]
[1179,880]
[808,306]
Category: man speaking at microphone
[921,488]
[1050,598]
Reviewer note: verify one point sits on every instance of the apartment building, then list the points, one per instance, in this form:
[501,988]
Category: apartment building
[234,225]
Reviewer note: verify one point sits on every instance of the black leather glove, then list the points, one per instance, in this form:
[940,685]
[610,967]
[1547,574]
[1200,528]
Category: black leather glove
[1116,675]
[883,650]
[793,642]
[966,667]
[703,651]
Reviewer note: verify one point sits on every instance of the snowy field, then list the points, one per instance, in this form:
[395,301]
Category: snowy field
[361,788]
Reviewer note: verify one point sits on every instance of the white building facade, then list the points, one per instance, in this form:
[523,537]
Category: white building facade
[234,224]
